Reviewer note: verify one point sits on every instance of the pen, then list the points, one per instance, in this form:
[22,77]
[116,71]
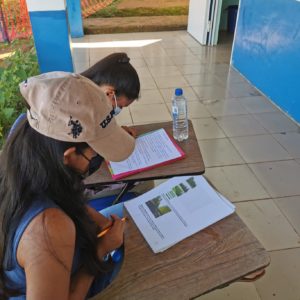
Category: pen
[103,232]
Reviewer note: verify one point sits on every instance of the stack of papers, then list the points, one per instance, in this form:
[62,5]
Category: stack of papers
[177,209]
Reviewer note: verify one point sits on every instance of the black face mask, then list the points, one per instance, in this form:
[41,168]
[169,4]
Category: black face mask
[94,165]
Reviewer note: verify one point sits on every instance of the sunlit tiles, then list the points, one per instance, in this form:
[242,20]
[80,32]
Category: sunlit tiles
[116,44]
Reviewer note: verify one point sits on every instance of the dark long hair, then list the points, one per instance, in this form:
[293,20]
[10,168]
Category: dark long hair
[116,70]
[31,164]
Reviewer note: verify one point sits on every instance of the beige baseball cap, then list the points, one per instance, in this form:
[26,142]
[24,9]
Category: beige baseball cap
[69,107]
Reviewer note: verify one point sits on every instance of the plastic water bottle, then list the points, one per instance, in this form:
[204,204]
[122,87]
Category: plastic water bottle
[180,119]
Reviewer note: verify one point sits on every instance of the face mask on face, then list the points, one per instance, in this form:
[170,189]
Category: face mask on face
[117,109]
[94,165]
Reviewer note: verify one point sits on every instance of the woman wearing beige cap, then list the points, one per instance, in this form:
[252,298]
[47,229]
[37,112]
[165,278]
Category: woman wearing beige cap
[118,79]
[50,248]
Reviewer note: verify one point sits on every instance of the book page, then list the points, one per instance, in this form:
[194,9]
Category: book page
[177,209]
[151,149]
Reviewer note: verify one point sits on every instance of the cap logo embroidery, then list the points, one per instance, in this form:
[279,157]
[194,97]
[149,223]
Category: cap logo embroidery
[76,127]
[108,119]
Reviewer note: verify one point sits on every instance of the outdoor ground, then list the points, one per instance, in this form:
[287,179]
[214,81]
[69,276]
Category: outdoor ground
[146,16]
[139,15]
[158,3]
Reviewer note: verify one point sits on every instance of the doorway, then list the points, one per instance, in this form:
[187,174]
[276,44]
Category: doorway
[212,20]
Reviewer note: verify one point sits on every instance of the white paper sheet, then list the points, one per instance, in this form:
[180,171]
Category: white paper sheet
[177,209]
[151,149]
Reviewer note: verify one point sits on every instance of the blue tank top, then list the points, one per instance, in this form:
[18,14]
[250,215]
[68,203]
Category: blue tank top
[15,274]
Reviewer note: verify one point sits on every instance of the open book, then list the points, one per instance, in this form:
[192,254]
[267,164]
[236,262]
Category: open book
[177,209]
[152,149]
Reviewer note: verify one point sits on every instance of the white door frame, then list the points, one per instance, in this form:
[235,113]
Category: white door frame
[204,20]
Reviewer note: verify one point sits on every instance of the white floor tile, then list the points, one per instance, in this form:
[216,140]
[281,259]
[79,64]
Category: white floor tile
[281,281]
[138,62]
[237,183]
[268,224]
[290,207]
[149,97]
[232,77]
[207,128]
[260,148]
[188,92]
[202,79]
[241,125]
[280,178]
[199,49]
[226,108]
[171,81]
[189,41]
[147,83]
[98,54]
[193,69]
[214,92]
[196,110]
[219,69]
[177,51]
[159,61]
[143,72]
[152,52]
[241,89]
[258,104]
[132,52]
[150,113]
[173,46]
[219,152]
[276,122]
[290,141]
[235,291]
[159,71]
[189,59]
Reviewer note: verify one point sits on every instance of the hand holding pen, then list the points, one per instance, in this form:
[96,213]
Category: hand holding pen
[111,238]
[105,230]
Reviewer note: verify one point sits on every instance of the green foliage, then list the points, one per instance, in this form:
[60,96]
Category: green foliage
[16,68]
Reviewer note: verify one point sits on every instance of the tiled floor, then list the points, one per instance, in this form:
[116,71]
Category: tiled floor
[250,148]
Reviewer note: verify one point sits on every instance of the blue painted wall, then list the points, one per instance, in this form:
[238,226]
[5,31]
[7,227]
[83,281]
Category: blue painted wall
[267,50]
[52,42]
[75,18]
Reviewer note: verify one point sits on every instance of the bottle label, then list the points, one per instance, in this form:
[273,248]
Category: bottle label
[175,111]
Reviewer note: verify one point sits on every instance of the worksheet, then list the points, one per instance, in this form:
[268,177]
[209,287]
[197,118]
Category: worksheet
[177,209]
[152,149]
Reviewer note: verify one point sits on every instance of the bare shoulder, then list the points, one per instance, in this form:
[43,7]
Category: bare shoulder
[51,231]
[46,252]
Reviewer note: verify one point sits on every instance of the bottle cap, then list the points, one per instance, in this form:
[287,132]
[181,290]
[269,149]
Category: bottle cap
[178,92]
